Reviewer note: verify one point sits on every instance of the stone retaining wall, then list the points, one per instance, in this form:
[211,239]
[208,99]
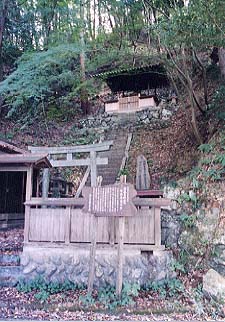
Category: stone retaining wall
[72,263]
[155,116]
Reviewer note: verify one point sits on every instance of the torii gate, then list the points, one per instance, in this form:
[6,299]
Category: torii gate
[69,160]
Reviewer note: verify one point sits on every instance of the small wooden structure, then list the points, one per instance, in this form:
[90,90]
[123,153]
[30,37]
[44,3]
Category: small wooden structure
[129,85]
[19,175]
[128,104]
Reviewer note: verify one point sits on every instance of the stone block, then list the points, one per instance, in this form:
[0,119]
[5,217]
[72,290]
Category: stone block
[214,284]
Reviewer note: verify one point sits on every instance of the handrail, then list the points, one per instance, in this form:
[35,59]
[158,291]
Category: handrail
[72,202]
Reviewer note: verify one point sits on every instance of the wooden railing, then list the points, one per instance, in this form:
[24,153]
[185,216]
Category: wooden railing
[62,221]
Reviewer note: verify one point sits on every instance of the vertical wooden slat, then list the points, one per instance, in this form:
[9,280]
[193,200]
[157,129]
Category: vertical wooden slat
[157,226]
[111,228]
[67,225]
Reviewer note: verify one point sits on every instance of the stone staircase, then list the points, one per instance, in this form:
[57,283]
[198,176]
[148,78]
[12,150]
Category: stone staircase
[115,155]
[10,270]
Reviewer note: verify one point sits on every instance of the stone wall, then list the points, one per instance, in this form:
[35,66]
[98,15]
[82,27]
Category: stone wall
[156,117]
[60,264]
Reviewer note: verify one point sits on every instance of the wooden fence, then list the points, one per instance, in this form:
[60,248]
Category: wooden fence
[62,221]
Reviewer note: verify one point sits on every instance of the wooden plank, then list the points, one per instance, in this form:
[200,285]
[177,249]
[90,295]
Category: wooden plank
[111,229]
[149,193]
[151,202]
[126,155]
[103,146]
[81,228]
[157,211]
[78,162]
[82,184]
[47,225]
[140,229]
[119,280]
[55,202]
[105,247]
[18,168]
[67,225]
[92,255]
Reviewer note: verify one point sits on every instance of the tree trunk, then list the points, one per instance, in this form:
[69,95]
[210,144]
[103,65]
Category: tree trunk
[83,95]
[221,54]
[2,28]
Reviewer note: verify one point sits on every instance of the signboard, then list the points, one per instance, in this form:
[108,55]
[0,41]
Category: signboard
[111,200]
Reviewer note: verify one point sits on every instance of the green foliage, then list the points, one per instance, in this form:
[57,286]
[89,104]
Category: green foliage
[124,172]
[205,148]
[44,288]
[166,288]
[188,220]
[41,78]
[107,297]
[178,266]
[217,103]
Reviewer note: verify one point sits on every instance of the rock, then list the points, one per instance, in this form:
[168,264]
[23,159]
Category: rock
[166,114]
[171,228]
[30,268]
[24,259]
[217,261]
[214,284]
[98,272]
[51,269]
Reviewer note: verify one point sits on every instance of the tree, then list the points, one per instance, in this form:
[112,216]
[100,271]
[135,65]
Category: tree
[3,9]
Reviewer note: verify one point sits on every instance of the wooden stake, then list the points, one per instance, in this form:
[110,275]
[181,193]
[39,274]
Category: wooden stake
[92,255]
[119,281]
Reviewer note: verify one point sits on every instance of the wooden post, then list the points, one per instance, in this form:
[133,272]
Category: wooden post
[92,255]
[157,211]
[29,185]
[119,281]
[93,167]
[94,181]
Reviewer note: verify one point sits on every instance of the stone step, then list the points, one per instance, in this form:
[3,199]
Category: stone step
[10,275]
[8,259]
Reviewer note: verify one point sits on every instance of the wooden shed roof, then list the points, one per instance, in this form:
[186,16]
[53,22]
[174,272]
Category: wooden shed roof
[10,148]
[38,160]
[135,79]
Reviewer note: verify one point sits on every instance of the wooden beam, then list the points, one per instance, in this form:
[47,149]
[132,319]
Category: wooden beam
[151,202]
[78,162]
[55,202]
[82,184]
[14,169]
[103,146]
